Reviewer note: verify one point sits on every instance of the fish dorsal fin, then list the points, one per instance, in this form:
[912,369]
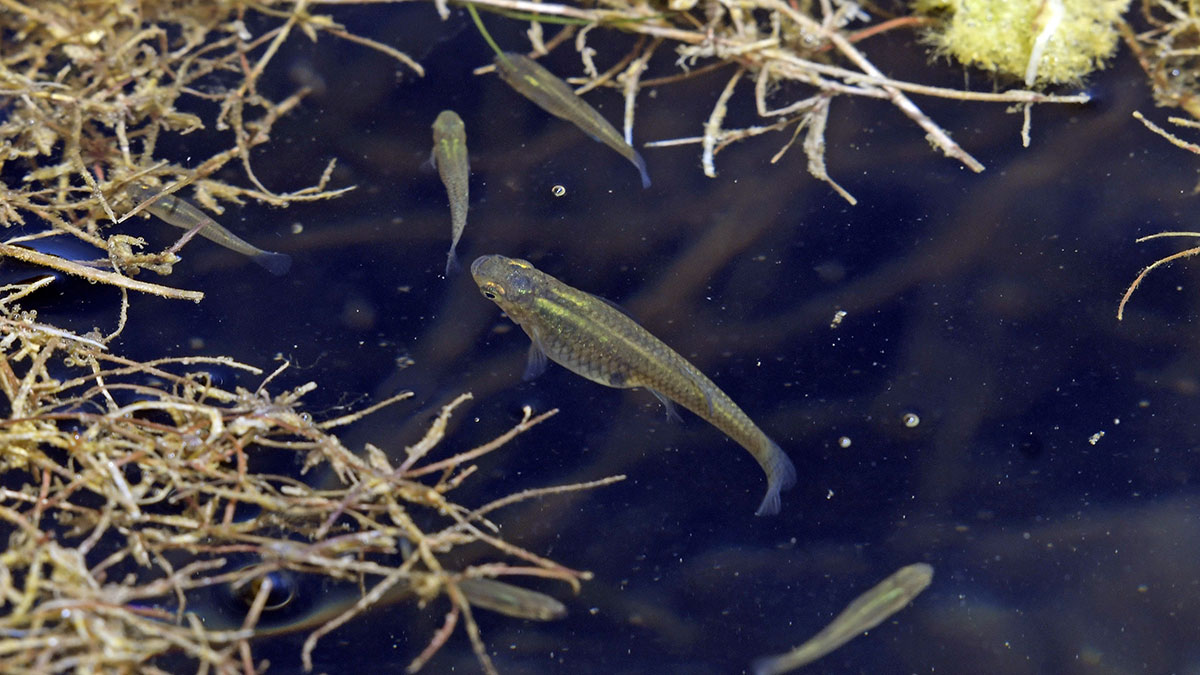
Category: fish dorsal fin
[614,305]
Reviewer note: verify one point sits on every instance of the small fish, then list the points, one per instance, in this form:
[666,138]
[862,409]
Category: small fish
[182,214]
[866,612]
[450,158]
[554,96]
[593,338]
[511,600]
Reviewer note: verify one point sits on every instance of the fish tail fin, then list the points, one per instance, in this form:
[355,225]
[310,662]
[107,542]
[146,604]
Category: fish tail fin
[451,262]
[275,263]
[641,167]
[781,475]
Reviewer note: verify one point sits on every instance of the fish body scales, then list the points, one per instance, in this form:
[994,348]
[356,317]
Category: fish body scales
[598,341]
[556,97]
[453,166]
[181,213]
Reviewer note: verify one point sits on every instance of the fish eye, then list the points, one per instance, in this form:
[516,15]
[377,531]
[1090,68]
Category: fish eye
[241,594]
[491,289]
[283,590]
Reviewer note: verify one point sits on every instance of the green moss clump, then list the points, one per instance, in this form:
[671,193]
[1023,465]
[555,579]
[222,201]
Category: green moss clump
[1071,37]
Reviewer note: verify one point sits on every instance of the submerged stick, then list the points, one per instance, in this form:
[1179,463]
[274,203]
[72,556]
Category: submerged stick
[113,279]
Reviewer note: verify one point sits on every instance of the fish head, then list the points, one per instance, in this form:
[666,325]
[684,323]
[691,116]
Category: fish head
[140,190]
[448,123]
[508,282]
[508,65]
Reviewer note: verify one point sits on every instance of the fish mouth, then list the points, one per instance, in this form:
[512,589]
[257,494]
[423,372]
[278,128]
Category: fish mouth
[479,262]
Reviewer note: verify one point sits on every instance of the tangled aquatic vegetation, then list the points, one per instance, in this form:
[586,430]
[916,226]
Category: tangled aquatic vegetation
[1168,53]
[124,498]
[774,44]
[90,93]
[125,481]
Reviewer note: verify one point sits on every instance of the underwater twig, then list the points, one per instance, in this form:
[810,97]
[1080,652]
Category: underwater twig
[712,128]
[91,274]
[433,435]
[1175,140]
[1157,263]
[528,421]
[379,47]
[370,598]
[541,492]
[359,414]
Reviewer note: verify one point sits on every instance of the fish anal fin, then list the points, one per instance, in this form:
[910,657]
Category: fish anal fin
[668,405]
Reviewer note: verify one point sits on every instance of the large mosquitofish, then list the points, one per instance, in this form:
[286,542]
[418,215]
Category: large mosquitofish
[866,612]
[556,97]
[511,600]
[182,214]
[595,339]
[450,158]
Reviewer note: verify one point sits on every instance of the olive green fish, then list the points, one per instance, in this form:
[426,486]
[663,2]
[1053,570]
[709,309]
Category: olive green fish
[556,97]
[866,612]
[182,214]
[450,158]
[511,600]
[593,338]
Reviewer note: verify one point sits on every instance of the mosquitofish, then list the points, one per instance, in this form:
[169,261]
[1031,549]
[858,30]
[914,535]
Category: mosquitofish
[866,612]
[182,214]
[556,97]
[511,600]
[593,338]
[450,158]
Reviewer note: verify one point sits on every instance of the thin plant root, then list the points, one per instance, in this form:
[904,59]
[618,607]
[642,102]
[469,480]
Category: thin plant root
[1158,263]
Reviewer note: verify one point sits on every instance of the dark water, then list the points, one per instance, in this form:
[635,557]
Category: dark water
[984,304]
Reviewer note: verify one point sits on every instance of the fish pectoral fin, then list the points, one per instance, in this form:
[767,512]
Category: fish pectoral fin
[536,363]
[672,413]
